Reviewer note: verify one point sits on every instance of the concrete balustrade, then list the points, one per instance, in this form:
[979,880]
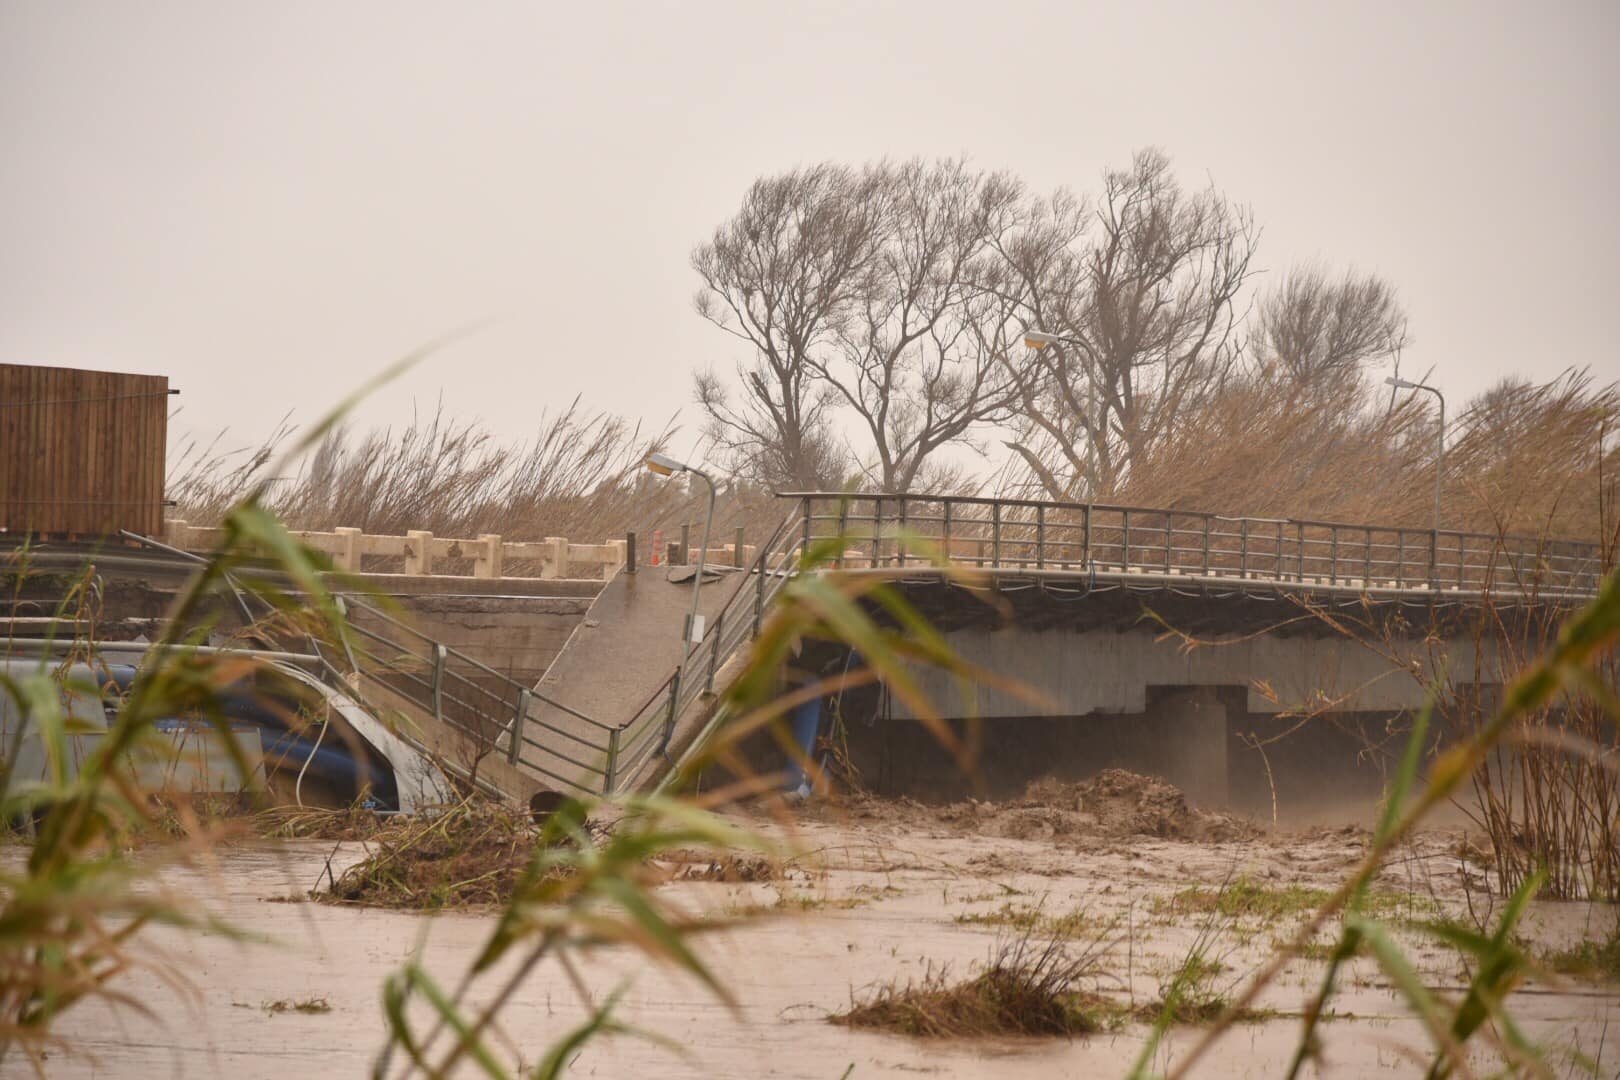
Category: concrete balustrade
[423,552]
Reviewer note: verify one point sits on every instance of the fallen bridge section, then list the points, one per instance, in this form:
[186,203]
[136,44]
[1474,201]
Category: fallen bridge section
[620,663]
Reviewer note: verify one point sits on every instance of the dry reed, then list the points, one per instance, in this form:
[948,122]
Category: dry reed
[1519,458]
[581,476]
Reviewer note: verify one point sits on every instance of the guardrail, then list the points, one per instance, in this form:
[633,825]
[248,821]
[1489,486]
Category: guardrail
[494,713]
[900,531]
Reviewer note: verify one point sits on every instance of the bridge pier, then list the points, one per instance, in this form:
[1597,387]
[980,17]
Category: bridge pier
[1191,721]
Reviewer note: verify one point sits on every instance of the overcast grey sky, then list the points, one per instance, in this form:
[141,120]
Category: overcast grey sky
[269,202]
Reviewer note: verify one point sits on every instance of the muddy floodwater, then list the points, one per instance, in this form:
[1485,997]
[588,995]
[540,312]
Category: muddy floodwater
[871,897]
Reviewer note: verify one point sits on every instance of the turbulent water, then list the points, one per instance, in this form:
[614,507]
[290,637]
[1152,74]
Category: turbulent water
[872,899]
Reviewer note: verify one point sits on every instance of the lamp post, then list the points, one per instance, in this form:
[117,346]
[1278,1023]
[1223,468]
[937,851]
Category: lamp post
[664,465]
[1440,444]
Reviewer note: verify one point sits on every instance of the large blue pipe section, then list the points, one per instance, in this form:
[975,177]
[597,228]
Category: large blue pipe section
[806,724]
[345,766]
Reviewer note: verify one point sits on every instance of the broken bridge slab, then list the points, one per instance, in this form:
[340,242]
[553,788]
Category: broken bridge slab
[617,659]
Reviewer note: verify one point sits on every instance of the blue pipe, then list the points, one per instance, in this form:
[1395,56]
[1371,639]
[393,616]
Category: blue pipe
[334,761]
[806,724]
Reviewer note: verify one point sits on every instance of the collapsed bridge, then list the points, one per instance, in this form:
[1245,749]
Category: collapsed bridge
[1153,638]
[1165,641]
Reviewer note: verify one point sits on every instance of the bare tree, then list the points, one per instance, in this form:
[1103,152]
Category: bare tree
[1147,310]
[919,360]
[781,276]
[1319,333]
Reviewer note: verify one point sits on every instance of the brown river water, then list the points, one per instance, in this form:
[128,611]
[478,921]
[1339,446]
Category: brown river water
[871,899]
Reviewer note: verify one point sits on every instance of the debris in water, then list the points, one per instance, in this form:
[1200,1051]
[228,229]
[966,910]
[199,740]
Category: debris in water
[1113,804]
[467,856]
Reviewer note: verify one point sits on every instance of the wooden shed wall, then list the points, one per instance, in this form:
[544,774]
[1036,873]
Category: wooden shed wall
[81,452]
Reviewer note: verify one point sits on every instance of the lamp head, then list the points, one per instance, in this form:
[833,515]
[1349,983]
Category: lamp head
[1402,384]
[663,465]
[1039,339]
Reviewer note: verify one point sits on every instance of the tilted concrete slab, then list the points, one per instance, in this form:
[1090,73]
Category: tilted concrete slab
[617,658]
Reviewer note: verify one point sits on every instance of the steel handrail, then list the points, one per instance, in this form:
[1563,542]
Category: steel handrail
[1033,504]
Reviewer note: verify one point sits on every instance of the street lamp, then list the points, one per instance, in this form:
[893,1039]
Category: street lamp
[1440,451]
[664,465]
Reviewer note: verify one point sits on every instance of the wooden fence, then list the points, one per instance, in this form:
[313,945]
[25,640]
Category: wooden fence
[81,452]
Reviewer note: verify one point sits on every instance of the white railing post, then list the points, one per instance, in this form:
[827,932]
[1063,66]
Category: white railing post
[515,746]
[437,684]
[488,563]
[610,774]
[418,552]
[347,556]
[554,561]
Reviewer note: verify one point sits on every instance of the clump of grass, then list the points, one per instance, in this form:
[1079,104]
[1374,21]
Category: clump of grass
[980,898]
[1315,951]
[1190,993]
[1598,960]
[317,823]
[181,814]
[1241,898]
[1027,989]
[1029,920]
[798,902]
[1520,457]
[309,1006]
[1245,898]
[468,856]
[1008,915]
[728,866]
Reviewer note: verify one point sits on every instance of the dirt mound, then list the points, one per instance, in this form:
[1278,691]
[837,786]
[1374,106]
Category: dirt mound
[1130,804]
[1111,805]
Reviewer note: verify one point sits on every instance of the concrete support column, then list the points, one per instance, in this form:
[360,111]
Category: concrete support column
[1193,722]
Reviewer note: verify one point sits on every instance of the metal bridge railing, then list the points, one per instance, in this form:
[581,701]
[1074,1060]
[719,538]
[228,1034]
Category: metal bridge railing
[900,531]
[494,713]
